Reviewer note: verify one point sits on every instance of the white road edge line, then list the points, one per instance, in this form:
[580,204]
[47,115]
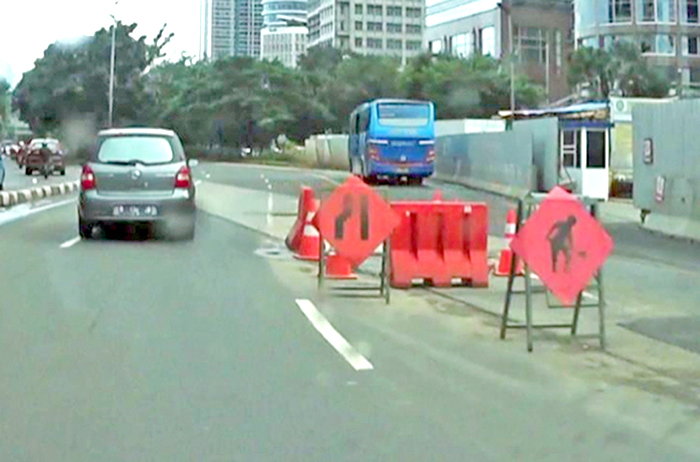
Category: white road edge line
[70,243]
[197,182]
[332,336]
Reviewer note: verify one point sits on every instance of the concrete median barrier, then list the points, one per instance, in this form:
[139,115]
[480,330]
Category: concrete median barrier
[11,198]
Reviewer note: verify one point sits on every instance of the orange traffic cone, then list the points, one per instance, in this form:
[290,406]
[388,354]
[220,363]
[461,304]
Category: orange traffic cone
[503,268]
[310,242]
[338,267]
[307,208]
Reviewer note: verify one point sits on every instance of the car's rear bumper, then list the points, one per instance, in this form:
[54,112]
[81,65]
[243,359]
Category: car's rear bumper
[398,170]
[96,207]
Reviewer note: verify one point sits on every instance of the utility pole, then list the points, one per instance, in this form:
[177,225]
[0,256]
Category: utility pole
[111,68]
[511,58]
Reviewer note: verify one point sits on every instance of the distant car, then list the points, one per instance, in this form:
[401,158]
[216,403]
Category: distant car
[45,156]
[138,175]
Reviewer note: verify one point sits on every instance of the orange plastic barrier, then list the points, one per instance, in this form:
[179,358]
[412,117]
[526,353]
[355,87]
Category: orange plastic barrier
[439,242]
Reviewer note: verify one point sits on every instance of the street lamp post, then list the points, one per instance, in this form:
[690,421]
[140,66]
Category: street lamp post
[111,75]
[111,68]
[506,9]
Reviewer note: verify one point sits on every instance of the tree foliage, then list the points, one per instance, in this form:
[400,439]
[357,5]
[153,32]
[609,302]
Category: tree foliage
[72,80]
[241,101]
[622,70]
[4,106]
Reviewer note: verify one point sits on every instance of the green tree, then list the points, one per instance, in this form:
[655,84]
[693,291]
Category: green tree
[474,87]
[72,81]
[622,69]
[4,106]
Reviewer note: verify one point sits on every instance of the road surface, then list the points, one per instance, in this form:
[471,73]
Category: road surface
[123,349]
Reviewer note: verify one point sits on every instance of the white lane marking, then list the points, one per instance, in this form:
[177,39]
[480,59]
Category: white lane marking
[326,178]
[262,176]
[269,210]
[70,243]
[332,336]
[269,186]
[207,176]
[197,182]
[24,210]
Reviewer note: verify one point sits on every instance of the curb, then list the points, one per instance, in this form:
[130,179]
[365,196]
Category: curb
[10,198]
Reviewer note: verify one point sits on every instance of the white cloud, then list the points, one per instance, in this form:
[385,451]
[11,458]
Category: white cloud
[30,26]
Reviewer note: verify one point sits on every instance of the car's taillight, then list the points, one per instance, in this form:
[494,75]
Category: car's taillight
[183,178]
[431,155]
[87,179]
[373,152]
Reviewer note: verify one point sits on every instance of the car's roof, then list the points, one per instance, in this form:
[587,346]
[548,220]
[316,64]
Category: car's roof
[136,131]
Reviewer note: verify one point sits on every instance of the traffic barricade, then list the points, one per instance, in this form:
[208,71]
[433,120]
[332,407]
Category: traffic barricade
[440,242]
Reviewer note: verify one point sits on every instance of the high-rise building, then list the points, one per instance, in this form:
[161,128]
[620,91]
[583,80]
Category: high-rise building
[230,28]
[377,27]
[248,22]
[666,32]
[542,34]
[284,33]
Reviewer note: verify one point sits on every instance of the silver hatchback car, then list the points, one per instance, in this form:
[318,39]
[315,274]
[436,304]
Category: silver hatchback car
[138,175]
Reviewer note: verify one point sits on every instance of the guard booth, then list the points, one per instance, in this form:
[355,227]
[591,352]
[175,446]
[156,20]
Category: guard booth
[584,157]
[583,161]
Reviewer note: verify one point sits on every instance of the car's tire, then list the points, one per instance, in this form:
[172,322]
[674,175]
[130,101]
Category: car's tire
[415,180]
[28,171]
[63,172]
[84,229]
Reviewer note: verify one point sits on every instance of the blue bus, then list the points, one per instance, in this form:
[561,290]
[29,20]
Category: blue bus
[393,138]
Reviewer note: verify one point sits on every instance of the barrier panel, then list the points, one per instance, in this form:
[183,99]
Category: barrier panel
[438,242]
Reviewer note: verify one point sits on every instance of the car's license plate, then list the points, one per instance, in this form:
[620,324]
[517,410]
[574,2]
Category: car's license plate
[403,170]
[135,211]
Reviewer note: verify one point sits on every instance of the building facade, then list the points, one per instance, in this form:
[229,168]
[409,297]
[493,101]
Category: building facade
[667,32]
[285,44]
[542,35]
[376,27]
[230,28]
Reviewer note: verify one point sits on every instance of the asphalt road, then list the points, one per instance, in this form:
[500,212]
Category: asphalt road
[122,349]
[16,179]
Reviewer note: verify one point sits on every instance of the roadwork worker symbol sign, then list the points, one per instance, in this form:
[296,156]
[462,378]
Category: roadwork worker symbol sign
[563,244]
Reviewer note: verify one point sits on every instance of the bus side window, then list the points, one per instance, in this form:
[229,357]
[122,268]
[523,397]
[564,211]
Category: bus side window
[357,123]
[364,121]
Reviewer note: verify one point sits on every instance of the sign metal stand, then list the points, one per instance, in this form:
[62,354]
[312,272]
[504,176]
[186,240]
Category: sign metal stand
[384,287]
[526,208]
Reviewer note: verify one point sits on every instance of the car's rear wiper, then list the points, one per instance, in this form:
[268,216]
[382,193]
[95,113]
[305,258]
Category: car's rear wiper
[123,162]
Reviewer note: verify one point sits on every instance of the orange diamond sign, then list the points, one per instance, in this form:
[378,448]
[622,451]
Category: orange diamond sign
[355,220]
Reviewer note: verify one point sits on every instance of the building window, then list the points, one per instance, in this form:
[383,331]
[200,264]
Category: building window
[414,44]
[358,25]
[661,44]
[374,26]
[394,11]
[358,9]
[487,41]
[344,8]
[342,25]
[413,29]
[663,11]
[413,12]
[393,44]
[394,28]
[690,46]
[531,44]
[436,46]
[619,11]
[358,42]
[374,43]
[462,45]
[375,10]
[689,11]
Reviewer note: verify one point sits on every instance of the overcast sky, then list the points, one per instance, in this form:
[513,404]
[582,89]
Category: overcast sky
[28,27]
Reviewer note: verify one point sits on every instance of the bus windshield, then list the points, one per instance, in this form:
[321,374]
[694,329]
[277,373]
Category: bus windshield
[404,115]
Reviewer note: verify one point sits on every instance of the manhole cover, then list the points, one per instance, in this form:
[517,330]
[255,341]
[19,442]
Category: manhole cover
[683,332]
[273,252]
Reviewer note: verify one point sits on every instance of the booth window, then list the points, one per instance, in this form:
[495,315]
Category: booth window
[570,148]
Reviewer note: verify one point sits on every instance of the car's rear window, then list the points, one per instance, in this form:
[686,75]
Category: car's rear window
[144,149]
